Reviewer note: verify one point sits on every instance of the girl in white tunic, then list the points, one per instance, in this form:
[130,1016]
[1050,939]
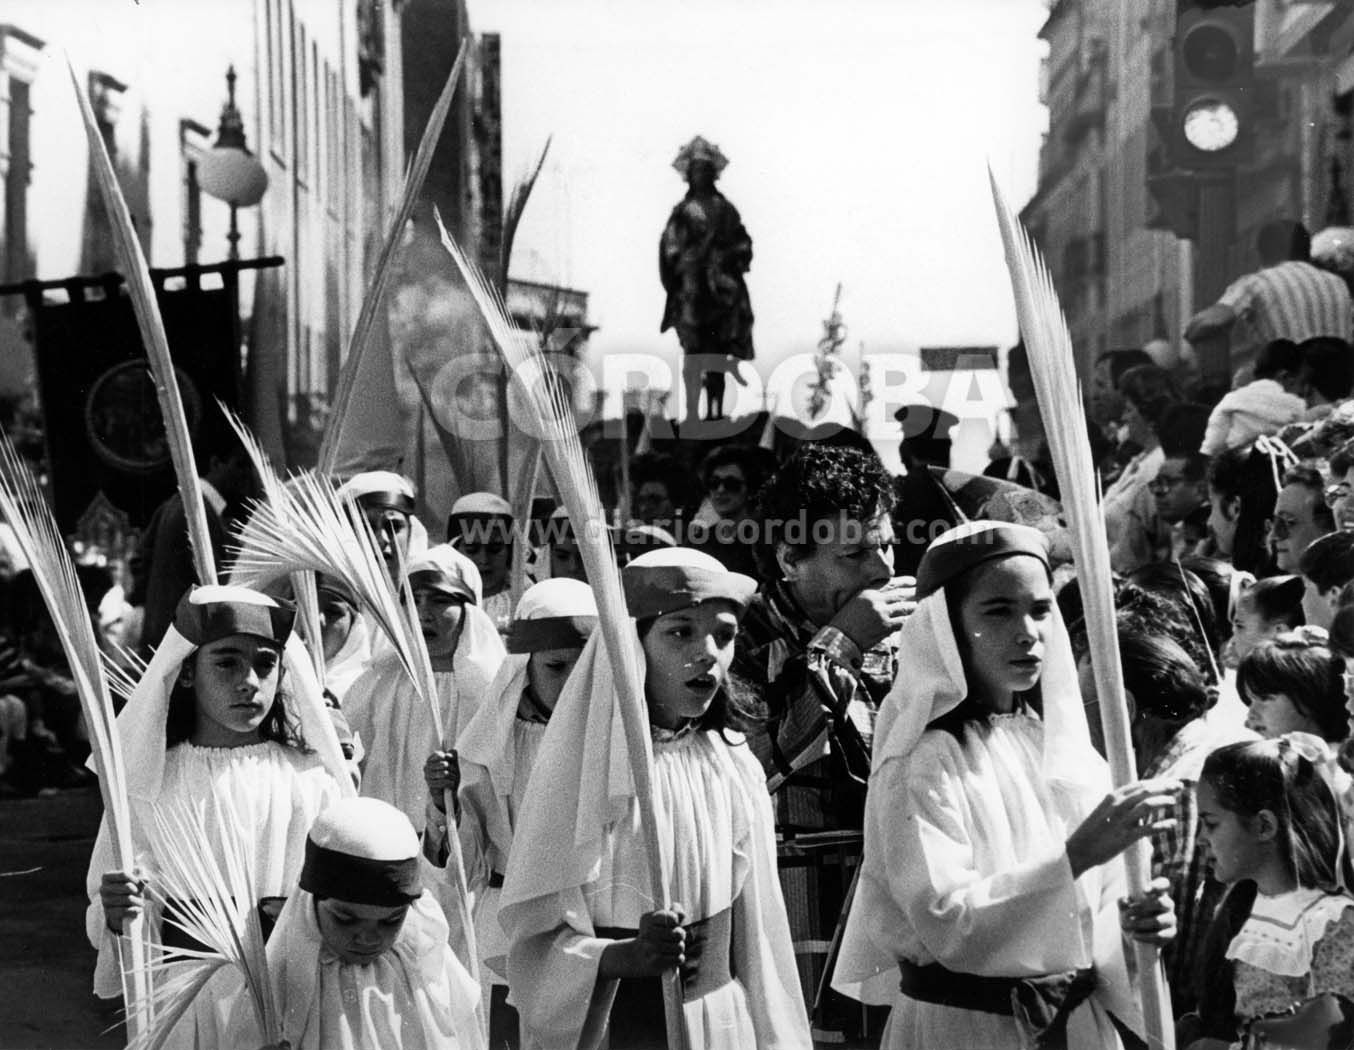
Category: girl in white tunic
[359,959]
[383,708]
[493,761]
[985,910]
[215,723]
[586,939]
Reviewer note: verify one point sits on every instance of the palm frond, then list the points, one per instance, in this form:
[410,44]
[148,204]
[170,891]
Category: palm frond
[24,507]
[215,902]
[523,498]
[517,205]
[549,416]
[258,457]
[371,305]
[122,671]
[177,985]
[1053,365]
[310,530]
[303,583]
[148,320]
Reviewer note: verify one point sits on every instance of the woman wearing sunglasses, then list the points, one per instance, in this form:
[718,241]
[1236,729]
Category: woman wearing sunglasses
[724,527]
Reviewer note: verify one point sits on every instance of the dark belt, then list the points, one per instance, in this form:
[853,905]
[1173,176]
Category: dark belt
[1040,1005]
[495,880]
[171,936]
[708,948]
[636,1021]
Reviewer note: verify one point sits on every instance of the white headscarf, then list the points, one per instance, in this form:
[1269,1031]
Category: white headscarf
[480,643]
[453,566]
[373,481]
[487,740]
[584,756]
[141,725]
[931,681]
[489,504]
[419,969]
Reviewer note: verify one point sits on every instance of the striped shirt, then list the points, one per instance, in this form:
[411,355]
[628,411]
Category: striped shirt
[1294,300]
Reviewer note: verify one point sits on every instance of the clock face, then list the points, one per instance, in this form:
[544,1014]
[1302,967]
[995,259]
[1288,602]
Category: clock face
[1211,126]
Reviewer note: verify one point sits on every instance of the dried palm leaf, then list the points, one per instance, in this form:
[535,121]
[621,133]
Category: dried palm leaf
[517,204]
[1053,365]
[549,416]
[123,671]
[23,506]
[214,901]
[523,499]
[177,984]
[371,305]
[308,529]
[452,446]
[303,583]
[149,321]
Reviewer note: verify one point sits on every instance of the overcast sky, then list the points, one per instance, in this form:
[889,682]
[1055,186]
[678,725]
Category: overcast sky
[858,134]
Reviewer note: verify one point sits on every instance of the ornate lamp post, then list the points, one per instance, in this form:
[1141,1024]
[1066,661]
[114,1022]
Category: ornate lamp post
[228,171]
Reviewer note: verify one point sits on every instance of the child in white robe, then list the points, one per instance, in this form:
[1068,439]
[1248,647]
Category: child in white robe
[586,939]
[493,760]
[385,711]
[214,722]
[346,638]
[481,526]
[984,880]
[359,958]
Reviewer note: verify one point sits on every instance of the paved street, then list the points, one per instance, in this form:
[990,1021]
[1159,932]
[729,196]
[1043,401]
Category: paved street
[46,963]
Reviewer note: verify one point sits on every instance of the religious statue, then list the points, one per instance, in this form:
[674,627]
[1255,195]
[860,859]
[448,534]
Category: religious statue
[703,255]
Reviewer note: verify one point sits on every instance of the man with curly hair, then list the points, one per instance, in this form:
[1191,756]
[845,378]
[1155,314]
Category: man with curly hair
[817,643]
[817,639]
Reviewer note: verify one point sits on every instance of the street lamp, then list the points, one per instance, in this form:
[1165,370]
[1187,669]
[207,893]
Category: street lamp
[228,171]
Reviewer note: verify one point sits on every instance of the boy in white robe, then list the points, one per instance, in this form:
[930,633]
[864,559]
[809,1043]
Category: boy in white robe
[583,929]
[384,709]
[359,958]
[493,761]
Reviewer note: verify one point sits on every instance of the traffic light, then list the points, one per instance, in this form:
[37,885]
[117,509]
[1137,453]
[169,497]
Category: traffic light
[1213,111]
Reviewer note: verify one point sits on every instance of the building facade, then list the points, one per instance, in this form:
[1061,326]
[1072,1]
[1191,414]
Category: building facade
[1106,210]
[320,86]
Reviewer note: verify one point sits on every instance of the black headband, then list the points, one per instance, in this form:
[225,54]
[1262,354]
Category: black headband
[386,500]
[360,880]
[204,622]
[549,632]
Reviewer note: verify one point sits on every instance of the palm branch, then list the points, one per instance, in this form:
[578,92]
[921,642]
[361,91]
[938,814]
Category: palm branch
[215,903]
[24,507]
[151,324]
[303,583]
[1053,365]
[549,416]
[370,310]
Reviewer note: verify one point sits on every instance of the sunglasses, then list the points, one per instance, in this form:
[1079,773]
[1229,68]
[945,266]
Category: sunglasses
[727,483]
[1335,493]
